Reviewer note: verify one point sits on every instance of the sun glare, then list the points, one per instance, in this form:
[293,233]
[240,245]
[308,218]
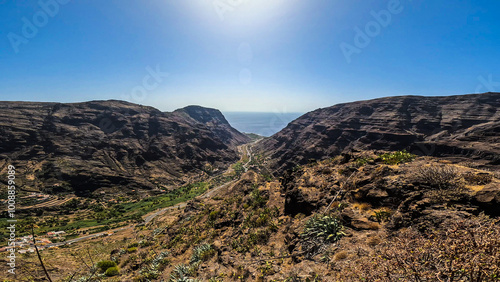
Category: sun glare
[231,14]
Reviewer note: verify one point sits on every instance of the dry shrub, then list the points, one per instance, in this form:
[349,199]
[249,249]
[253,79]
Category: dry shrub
[456,194]
[441,177]
[471,164]
[496,174]
[467,251]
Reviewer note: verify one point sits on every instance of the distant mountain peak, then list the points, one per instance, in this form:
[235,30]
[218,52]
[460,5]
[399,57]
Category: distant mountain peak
[203,114]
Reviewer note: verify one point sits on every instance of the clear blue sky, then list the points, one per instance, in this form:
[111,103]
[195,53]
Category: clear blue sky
[257,55]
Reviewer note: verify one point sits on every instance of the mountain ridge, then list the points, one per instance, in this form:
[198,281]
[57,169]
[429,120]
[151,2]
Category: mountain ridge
[441,125]
[81,147]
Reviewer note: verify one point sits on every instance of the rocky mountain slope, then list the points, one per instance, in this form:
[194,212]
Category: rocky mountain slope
[362,215]
[356,217]
[82,147]
[465,125]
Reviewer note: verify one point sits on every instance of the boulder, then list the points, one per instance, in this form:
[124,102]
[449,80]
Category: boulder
[488,199]
[297,202]
[364,224]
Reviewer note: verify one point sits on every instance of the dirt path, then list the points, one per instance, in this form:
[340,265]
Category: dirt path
[49,203]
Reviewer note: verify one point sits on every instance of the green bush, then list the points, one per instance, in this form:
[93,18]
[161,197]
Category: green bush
[258,199]
[258,238]
[112,271]
[105,264]
[133,245]
[132,250]
[398,157]
[239,169]
[214,215]
[382,215]
[363,161]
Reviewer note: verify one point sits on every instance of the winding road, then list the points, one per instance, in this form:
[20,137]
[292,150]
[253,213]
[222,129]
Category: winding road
[150,217]
[209,193]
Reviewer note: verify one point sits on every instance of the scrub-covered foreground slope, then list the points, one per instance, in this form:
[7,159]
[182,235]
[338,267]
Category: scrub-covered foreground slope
[357,217]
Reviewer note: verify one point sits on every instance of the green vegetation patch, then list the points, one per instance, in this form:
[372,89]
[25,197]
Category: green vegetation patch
[397,157]
[324,228]
[104,265]
[106,217]
[112,271]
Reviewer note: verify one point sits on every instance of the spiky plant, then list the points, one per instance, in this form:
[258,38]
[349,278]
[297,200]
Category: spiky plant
[202,253]
[152,271]
[181,273]
[325,228]
[441,177]
[319,232]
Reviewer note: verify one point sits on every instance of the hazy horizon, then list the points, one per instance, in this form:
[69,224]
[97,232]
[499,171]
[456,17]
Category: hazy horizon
[261,123]
[275,111]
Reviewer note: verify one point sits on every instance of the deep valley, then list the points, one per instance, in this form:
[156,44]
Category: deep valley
[393,189]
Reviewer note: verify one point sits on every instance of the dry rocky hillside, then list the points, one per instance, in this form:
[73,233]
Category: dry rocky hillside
[357,217]
[465,125]
[112,144]
[391,189]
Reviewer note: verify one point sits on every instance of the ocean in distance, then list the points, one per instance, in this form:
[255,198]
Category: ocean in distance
[265,124]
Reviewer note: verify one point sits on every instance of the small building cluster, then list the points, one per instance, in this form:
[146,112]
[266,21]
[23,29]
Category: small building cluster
[25,244]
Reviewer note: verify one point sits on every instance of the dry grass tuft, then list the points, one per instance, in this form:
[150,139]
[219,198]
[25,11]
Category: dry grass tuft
[340,255]
[373,241]
[362,206]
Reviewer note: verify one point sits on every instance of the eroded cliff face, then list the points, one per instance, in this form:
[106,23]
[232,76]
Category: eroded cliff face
[465,125]
[82,147]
